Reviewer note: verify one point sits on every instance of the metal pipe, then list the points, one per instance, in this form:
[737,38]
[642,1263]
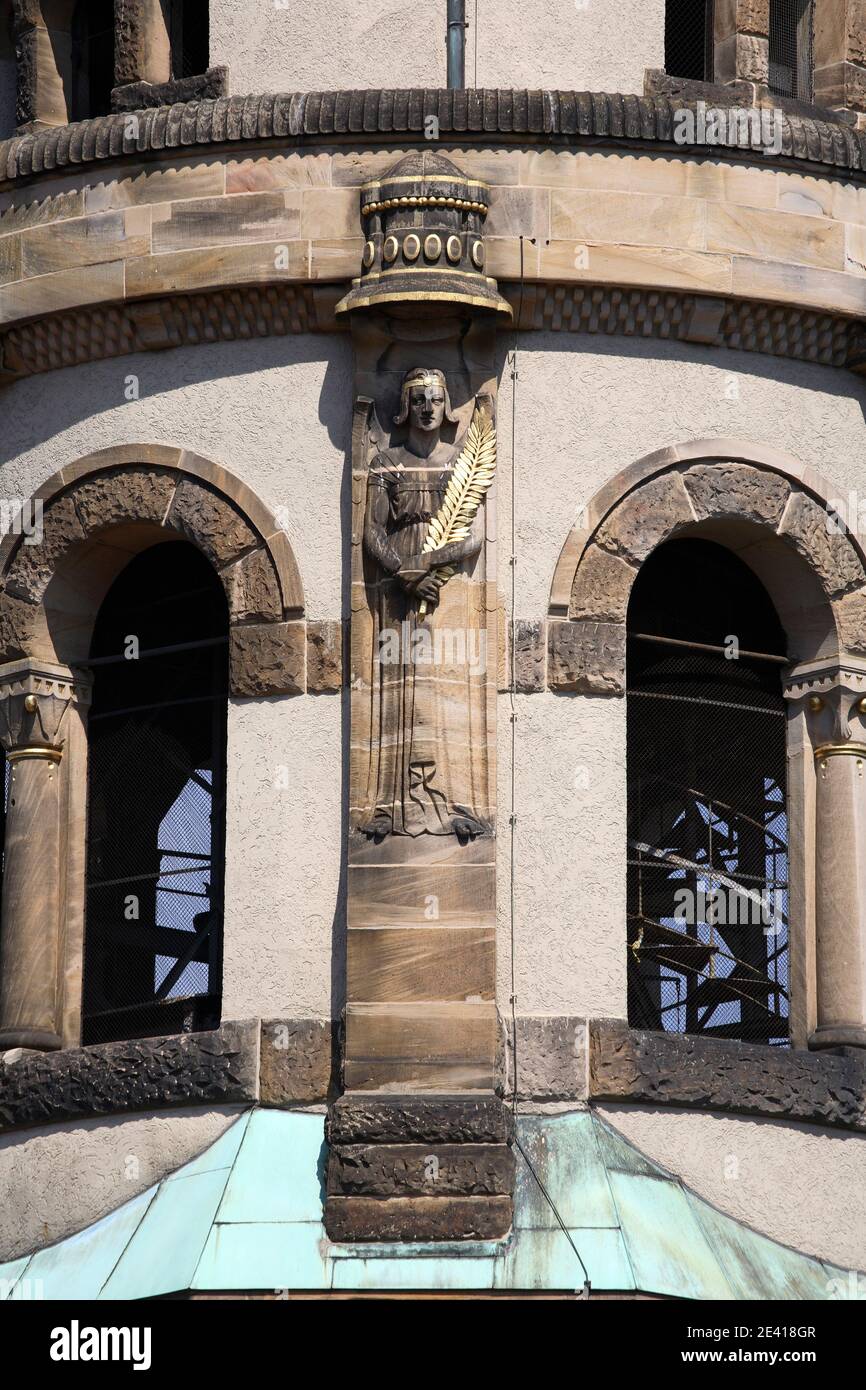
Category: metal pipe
[456,43]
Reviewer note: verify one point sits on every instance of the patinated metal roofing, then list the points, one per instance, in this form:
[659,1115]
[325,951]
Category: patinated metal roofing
[489,114]
[247,1215]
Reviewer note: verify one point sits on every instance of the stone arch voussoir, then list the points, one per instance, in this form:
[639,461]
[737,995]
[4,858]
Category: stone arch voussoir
[763,503]
[94,514]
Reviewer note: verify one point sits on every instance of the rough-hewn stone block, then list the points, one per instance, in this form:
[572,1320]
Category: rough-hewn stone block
[141,96]
[268,659]
[252,590]
[735,489]
[324,656]
[415,1170]
[711,1074]
[215,1068]
[832,556]
[210,522]
[549,1061]
[417,1218]
[299,1061]
[365,1119]
[528,656]
[33,565]
[602,587]
[586,658]
[646,518]
[110,499]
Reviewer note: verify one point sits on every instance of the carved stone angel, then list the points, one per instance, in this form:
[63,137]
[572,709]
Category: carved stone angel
[429,673]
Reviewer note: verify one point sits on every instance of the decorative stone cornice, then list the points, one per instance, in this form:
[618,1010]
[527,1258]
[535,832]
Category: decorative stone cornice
[92,334]
[491,114]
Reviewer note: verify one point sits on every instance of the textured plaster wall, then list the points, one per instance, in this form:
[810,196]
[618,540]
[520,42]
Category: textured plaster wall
[284,46]
[58,1179]
[285,897]
[805,1182]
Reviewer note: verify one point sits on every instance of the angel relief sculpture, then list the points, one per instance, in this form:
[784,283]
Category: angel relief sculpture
[424,570]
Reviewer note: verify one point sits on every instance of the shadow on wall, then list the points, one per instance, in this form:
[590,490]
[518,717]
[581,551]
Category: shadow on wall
[40,407]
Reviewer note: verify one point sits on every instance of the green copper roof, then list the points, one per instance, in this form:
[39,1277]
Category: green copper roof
[247,1214]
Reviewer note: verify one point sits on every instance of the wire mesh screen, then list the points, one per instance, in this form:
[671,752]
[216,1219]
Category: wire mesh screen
[189,36]
[791,39]
[156,801]
[689,39]
[707,842]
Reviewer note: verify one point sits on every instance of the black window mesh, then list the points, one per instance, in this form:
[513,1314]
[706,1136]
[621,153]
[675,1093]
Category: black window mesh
[156,804]
[791,37]
[92,58]
[189,37]
[707,816]
[689,39]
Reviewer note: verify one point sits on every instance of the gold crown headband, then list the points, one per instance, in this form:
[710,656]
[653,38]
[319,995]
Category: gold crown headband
[421,376]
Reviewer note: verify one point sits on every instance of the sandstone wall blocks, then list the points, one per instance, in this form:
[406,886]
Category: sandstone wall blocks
[528,656]
[33,565]
[130,494]
[268,659]
[549,1060]
[299,1061]
[324,656]
[586,658]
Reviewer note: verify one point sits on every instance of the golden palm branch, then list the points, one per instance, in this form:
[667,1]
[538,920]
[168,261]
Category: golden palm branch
[470,479]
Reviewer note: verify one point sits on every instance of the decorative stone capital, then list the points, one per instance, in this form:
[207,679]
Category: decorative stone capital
[35,697]
[832,694]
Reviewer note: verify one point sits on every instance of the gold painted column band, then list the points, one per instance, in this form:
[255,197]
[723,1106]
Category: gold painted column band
[840,750]
[52,755]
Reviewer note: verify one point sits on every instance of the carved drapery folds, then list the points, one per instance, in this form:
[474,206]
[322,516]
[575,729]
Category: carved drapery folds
[40,717]
[831,697]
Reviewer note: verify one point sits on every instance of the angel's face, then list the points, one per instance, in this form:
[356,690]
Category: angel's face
[427,408]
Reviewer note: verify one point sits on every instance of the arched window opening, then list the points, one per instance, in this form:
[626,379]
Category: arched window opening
[791,42]
[689,39]
[187,24]
[707,811]
[92,58]
[156,805]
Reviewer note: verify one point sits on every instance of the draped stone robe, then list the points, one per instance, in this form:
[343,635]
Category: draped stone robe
[429,674]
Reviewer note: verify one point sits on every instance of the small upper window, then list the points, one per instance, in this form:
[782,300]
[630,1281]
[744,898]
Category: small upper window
[92,58]
[187,23]
[689,39]
[791,29]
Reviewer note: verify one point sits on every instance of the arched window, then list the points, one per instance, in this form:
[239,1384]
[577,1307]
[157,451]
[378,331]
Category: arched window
[156,800]
[92,58]
[707,815]
[187,24]
[689,39]
[791,36]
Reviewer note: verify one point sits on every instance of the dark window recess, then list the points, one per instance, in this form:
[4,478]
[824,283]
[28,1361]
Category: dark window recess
[707,817]
[689,39]
[791,28]
[92,58]
[156,808]
[187,22]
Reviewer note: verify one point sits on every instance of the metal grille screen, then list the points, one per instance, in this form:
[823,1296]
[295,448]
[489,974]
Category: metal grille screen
[156,802]
[791,25]
[708,843]
[689,39]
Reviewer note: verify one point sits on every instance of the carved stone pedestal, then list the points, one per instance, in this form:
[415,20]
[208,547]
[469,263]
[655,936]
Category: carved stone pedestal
[438,1168]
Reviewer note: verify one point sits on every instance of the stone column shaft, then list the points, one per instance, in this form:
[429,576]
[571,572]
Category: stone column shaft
[833,697]
[35,699]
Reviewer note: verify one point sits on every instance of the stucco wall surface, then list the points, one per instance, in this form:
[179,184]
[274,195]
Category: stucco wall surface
[283,46]
[58,1179]
[799,1184]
